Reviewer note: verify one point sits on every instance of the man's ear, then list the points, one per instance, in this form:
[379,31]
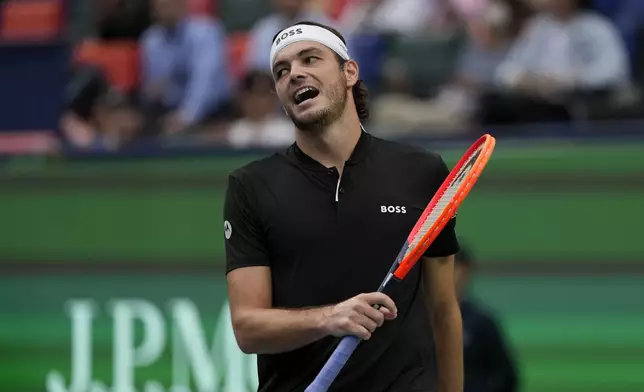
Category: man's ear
[351,72]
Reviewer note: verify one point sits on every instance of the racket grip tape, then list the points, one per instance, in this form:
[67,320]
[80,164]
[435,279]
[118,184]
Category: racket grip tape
[334,364]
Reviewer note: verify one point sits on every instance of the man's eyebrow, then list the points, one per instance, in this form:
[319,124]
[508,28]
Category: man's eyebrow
[301,53]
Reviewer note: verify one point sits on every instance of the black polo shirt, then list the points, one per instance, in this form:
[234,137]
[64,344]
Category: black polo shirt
[327,239]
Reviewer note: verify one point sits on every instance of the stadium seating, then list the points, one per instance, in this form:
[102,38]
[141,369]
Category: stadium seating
[240,15]
[201,7]
[430,60]
[31,19]
[337,7]
[237,43]
[119,61]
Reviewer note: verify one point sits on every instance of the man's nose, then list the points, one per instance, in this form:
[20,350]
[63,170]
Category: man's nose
[297,72]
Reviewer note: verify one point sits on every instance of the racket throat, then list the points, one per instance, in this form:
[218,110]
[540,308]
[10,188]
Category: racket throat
[385,281]
[390,276]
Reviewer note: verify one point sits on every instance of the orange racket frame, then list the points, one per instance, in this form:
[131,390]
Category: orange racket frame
[486,143]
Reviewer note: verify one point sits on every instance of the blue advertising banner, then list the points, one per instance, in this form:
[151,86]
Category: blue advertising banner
[33,79]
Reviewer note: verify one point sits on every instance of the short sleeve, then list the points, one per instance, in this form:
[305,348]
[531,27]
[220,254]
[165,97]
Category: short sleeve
[244,241]
[446,243]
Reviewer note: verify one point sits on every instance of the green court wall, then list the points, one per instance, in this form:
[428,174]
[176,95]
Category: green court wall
[548,203]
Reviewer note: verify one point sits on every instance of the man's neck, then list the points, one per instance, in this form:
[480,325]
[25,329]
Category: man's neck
[333,146]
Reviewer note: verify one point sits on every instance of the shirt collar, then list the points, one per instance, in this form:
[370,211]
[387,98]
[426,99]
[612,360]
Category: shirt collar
[359,153]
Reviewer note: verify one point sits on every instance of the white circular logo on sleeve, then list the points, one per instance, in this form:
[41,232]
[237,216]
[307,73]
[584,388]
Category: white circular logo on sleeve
[228,229]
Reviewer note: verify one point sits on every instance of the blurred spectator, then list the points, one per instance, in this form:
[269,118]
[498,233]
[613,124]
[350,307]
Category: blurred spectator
[98,118]
[488,361]
[396,111]
[628,16]
[490,33]
[121,19]
[564,50]
[185,78]
[260,125]
[287,13]
[398,17]
[490,36]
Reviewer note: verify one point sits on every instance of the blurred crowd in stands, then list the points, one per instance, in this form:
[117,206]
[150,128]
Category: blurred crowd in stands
[197,71]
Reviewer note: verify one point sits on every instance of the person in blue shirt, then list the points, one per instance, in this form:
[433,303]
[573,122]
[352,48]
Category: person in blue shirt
[627,16]
[184,68]
[489,364]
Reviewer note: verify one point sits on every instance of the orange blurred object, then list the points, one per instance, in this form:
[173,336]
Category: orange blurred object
[118,59]
[31,19]
[237,44]
[201,7]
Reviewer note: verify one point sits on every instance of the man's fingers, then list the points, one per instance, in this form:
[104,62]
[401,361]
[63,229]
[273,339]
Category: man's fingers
[387,314]
[381,299]
[360,331]
[366,322]
[374,314]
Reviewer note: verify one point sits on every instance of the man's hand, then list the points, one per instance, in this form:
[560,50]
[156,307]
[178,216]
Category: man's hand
[358,317]
[261,329]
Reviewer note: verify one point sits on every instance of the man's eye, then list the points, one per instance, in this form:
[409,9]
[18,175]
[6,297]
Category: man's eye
[310,60]
[280,73]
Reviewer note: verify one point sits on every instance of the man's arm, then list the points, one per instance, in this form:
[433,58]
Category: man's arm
[257,327]
[260,329]
[445,317]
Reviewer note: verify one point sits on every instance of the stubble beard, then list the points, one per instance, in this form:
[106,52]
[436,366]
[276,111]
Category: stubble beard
[323,118]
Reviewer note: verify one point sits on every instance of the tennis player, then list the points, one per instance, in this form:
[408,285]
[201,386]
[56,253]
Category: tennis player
[311,231]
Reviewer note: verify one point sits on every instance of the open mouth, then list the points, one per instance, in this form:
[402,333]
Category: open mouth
[304,94]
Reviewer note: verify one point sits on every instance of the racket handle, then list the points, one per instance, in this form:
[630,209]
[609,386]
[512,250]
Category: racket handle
[334,364]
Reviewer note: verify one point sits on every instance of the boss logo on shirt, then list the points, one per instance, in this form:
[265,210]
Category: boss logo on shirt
[287,34]
[393,209]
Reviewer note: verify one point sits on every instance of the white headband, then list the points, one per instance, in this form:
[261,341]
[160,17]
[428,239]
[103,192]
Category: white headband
[304,32]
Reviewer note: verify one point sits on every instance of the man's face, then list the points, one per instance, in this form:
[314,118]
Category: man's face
[168,12]
[310,84]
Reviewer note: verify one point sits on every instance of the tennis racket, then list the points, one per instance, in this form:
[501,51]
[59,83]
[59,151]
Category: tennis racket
[441,208]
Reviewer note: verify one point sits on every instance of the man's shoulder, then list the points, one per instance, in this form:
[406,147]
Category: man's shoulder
[406,152]
[258,169]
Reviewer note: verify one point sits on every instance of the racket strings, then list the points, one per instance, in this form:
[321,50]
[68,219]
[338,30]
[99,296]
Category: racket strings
[444,201]
[436,212]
